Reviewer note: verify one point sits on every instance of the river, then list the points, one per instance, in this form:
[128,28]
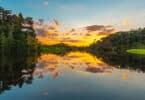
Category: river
[73,76]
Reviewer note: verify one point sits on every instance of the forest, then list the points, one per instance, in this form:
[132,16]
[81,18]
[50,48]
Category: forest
[17,36]
[121,42]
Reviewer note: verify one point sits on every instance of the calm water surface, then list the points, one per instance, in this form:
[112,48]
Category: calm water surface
[74,76]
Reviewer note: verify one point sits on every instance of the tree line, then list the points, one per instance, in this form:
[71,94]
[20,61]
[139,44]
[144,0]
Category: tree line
[17,35]
[119,42]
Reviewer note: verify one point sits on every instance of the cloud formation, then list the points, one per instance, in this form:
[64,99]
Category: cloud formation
[43,29]
[51,34]
[99,28]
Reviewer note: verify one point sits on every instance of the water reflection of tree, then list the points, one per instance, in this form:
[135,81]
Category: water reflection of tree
[127,61]
[16,72]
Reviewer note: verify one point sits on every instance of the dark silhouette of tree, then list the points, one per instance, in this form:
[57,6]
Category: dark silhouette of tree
[17,35]
[119,42]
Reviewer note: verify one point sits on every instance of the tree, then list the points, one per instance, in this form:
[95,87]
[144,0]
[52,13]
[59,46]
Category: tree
[17,35]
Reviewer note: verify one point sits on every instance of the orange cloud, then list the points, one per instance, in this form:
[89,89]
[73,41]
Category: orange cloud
[49,34]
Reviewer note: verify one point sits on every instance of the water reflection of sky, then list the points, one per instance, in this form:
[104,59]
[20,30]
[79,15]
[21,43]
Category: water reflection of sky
[51,63]
[73,81]
[78,61]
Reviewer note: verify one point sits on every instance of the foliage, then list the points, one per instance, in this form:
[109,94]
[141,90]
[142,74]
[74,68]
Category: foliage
[56,49]
[17,35]
[119,42]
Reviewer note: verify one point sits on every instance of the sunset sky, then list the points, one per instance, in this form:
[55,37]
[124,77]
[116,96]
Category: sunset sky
[79,21]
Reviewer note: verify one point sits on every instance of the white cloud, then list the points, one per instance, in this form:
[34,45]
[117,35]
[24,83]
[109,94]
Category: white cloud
[45,3]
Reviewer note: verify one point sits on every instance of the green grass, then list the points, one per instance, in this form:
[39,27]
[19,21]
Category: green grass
[137,51]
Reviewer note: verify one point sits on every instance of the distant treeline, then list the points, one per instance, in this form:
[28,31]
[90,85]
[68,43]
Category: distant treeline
[17,35]
[60,49]
[119,42]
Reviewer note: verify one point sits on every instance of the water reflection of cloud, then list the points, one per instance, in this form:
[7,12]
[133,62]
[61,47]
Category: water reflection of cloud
[51,64]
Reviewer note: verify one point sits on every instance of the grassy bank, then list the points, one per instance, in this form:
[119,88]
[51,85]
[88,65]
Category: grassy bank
[137,51]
